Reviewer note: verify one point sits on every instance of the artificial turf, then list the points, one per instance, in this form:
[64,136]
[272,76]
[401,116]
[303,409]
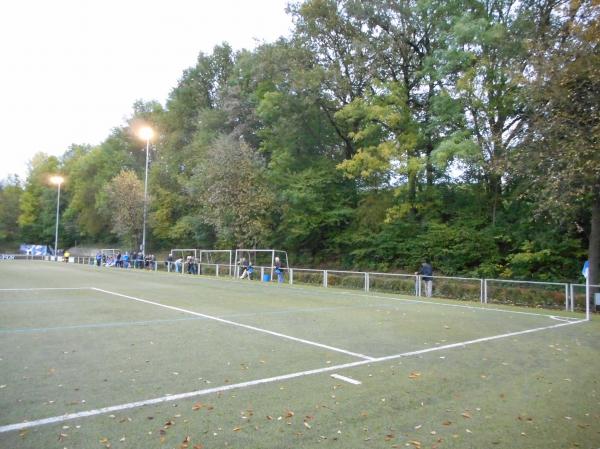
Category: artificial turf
[69,351]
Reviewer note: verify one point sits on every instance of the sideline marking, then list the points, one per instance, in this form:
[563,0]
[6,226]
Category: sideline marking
[346,379]
[176,397]
[41,288]
[562,318]
[234,323]
[25,330]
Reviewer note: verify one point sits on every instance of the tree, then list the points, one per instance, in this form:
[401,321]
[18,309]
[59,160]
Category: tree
[10,195]
[37,206]
[125,194]
[233,193]
[561,157]
[487,61]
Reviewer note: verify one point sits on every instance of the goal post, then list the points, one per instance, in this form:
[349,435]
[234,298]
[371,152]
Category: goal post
[180,256]
[261,258]
[109,256]
[216,257]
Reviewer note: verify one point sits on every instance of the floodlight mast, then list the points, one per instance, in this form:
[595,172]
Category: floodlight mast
[146,134]
[57,180]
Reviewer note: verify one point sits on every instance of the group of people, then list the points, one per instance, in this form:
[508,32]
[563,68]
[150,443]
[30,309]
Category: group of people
[247,269]
[189,265]
[126,260]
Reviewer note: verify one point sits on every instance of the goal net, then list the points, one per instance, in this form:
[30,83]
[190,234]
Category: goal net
[185,260]
[216,261]
[262,260]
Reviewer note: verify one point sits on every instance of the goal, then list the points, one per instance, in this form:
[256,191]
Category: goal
[263,259]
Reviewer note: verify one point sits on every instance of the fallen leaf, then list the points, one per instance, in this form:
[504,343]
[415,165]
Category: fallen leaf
[62,436]
[185,443]
[198,446]
[237,429]
[389,437]
[415,443]
[269,417]
[466,415]
[447,423]
[197,406]
[289,414]
[169,423]
[414,375]
[307,425]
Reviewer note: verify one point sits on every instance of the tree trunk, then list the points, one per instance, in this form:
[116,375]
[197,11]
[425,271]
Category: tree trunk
[594,245]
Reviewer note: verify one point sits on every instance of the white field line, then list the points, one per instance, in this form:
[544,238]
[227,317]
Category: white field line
[176,397]
[443,304]
[562,318]
[41,288]
[233,323]
[346,379]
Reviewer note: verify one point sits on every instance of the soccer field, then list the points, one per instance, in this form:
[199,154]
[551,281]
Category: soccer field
[93,358]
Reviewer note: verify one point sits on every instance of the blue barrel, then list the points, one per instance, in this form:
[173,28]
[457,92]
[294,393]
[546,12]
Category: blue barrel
[266,277]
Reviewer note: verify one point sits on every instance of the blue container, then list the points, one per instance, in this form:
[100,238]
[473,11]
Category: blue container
[266,277]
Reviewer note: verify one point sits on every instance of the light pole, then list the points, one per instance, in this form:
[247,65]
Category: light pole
[146,134]
[57,180]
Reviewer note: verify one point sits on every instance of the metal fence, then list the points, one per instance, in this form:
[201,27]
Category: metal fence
[550,295]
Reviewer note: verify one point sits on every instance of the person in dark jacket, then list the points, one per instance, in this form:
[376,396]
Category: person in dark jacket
[426,271]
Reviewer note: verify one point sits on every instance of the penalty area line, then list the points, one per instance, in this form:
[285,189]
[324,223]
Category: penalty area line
[191,394]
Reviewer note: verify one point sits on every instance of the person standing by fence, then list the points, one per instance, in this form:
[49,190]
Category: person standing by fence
[278,270]
[426,271]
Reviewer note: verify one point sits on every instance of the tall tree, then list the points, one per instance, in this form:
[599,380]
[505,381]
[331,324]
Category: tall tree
[125,194]
[37,205]
[561,157]
[10,196]
[489,58]
[233,193]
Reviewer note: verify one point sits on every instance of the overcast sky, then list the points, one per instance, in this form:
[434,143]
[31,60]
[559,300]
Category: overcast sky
[72,69]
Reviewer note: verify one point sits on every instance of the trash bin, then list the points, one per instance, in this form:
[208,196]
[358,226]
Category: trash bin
[266,277]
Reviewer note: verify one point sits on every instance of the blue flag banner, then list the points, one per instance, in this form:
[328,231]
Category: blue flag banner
[35,250]
[586,269]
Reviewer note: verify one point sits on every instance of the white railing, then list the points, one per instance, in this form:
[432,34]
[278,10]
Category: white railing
[503,291]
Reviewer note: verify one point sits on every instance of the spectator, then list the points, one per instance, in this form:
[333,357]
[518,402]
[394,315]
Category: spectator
[247,269]
[278,270]
[426,271]
[98,258]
